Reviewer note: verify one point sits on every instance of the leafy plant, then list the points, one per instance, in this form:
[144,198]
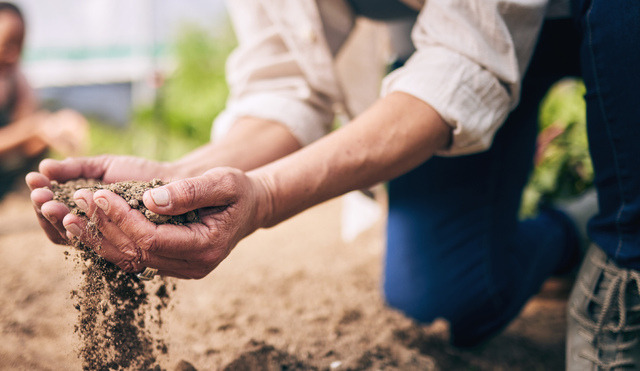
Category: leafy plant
[196,91]
[563,164]
[187,102]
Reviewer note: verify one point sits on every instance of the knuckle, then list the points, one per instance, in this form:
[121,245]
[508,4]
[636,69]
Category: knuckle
[125,245]
[93,167]
[126,216]
[230,178]
[99,159]
[187,191]
[147,242]
[125,265]
[227,182]
[143,256]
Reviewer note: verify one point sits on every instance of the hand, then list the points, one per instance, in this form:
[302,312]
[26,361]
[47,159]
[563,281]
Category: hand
[231,206]
[107,169]
[65,131]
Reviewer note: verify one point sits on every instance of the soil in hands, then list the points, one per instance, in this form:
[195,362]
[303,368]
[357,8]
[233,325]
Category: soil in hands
[120,317]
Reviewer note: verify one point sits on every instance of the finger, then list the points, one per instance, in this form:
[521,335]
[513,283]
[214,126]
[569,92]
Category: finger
[165,240]
[52,233]
[112,237]
[110,231]
[77,227]
[50,214]
[54,212]
[39,197]
[215,188]
[76,167]
[36,180]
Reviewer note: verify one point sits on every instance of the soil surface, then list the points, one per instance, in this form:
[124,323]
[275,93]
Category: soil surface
[291,297]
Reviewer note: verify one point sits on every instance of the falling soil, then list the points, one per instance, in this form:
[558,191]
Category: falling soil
[119,318]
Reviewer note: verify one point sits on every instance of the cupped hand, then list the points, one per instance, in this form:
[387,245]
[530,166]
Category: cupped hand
[107,169]
[231,206]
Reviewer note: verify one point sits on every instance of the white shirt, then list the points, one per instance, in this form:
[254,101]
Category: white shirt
[468,65]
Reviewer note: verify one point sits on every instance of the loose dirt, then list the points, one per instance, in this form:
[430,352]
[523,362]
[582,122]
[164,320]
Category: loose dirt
[119,317]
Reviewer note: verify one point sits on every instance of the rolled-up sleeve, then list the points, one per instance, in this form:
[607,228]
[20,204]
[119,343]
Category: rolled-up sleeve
[469,61]
[269,75]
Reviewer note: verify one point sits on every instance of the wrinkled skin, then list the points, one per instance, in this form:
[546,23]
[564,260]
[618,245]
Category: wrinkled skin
[227,200]
[107,169]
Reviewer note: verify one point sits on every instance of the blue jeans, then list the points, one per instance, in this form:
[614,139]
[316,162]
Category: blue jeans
[455,247]
[610,59]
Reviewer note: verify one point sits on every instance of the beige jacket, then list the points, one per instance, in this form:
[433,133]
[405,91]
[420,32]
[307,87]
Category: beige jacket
[469,60]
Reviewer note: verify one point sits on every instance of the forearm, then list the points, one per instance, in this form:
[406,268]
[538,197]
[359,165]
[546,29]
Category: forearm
[18,133]
[250,143]
[394,136]
[26,119]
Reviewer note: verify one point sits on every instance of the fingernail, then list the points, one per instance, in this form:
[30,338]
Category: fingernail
[131,254]
[74,229]
[102,203]
[82,204]
[160,196]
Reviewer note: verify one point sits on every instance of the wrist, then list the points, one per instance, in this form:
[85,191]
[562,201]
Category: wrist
[265,202]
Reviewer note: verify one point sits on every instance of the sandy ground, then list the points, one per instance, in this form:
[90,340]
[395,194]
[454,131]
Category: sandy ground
[293,296]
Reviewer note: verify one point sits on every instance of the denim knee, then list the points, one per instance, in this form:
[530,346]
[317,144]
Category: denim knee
[421,306]
[472,316]
[448,291]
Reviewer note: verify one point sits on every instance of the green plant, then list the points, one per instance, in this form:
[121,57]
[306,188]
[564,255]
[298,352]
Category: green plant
[181,117]
[563,165]
[196,91]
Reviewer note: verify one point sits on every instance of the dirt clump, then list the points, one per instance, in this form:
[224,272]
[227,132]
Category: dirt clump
[119,317]
[260,356]
[131,191]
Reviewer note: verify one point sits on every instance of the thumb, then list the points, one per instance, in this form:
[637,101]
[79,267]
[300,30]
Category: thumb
[215,188]
[75,167]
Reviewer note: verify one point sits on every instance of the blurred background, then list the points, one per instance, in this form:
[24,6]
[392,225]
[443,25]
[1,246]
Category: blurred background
[140,71]
[149,77]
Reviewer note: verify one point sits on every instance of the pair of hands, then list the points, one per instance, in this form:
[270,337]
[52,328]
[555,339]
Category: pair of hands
[230,203]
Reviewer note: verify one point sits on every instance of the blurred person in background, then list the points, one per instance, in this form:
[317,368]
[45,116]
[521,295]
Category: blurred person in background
[448,132]
[25,131]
